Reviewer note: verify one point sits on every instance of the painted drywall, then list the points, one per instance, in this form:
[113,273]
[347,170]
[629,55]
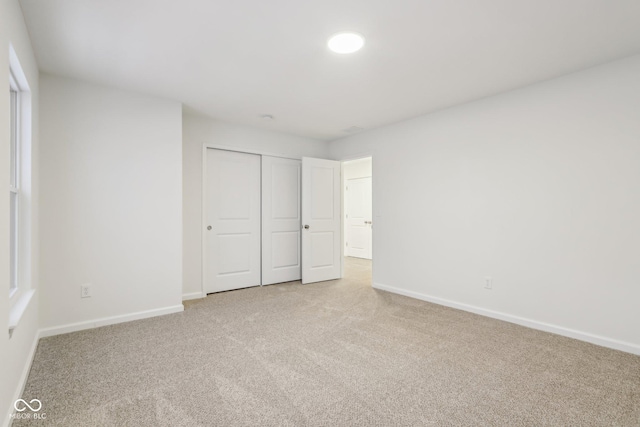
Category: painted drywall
[111,204]
[536,188]
[199,130]
[16,352]
[360,168]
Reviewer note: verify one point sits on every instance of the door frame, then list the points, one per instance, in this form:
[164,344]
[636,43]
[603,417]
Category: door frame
[203,214]
[349,158]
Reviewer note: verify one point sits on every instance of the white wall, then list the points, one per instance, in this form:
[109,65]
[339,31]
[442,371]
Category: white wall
[199,130]
[111,204]
[16,352]
[360,168]
[537,188]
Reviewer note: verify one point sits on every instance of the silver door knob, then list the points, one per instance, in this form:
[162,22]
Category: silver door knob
[306,227]
[209,228]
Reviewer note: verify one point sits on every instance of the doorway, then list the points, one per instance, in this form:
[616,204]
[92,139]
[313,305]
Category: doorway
[357,177]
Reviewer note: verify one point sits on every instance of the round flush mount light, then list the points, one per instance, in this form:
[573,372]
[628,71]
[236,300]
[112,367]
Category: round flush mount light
[346,42]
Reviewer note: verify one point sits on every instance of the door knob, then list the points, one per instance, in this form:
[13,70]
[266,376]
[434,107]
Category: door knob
[306,227]
[209,228]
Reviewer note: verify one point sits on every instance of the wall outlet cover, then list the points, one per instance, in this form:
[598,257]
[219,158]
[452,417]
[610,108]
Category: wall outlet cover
[85,291]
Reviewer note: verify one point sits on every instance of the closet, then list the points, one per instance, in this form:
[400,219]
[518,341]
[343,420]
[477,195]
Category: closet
[254,212]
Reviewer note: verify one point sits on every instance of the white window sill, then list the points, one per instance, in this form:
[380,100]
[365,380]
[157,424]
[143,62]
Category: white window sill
[18,309]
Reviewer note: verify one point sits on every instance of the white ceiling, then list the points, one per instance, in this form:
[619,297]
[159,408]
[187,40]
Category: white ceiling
[238,59]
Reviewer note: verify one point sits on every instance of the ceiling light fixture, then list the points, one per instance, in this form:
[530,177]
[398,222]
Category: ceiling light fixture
[267,117]
[346,42]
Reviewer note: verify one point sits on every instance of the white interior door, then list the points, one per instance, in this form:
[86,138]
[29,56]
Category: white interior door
[321,219]
[280,220]
[358,216]
[232,220]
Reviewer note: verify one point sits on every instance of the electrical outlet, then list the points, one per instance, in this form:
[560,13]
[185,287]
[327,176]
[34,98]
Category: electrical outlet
[488,282]
[85,291]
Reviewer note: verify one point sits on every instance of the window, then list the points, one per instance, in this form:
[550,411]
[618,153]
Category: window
[21,290]
[14,188]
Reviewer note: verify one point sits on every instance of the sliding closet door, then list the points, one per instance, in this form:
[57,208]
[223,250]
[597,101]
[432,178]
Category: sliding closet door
[280,220]
[321,206]
[232,197]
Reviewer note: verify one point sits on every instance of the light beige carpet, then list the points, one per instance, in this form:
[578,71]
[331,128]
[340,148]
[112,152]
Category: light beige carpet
[329,354]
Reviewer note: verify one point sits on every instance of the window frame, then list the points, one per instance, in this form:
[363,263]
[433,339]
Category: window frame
[21,192]
[14,185]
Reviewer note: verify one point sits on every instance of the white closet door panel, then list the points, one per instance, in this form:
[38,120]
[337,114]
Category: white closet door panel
[233,213]
[321,218]
[280,220]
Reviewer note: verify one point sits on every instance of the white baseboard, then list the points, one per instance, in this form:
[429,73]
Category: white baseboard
[530,323]
[193,295]
[112,320]
[23,377]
